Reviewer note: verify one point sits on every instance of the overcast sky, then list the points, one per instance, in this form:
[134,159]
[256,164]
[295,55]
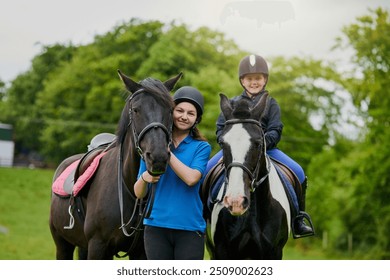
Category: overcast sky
[296,27]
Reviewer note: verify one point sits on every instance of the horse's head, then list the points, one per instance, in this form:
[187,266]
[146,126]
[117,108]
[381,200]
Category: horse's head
[148,116]
[243,148]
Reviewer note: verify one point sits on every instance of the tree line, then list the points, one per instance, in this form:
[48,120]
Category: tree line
[72,92]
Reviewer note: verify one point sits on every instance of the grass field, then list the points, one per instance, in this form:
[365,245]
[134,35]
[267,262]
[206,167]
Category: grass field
[24,217]
[24,214]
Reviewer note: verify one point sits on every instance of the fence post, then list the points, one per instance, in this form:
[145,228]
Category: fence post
[324,240]
[350,243]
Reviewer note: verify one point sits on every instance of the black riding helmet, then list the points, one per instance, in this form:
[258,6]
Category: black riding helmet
[192,95]
[252,64]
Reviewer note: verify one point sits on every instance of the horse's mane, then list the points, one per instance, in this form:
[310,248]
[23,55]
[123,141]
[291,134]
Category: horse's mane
[241,109]
[150,86]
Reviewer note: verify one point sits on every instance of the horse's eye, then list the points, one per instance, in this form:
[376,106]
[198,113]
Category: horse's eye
[258,141]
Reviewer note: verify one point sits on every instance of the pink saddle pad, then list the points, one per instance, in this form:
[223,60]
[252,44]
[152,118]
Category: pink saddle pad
[58,185]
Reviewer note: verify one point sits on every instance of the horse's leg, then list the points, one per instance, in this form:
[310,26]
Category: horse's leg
[139,251]
[98,250]
[64,249]
[82,253]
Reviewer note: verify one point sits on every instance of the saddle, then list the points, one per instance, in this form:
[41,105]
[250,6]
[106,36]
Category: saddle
[76,175]
[70,182]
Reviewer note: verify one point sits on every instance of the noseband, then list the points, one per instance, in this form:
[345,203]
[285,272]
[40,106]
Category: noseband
[252,175]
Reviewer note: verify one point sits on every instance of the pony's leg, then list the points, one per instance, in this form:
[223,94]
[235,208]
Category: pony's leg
[275,254]
[221,252]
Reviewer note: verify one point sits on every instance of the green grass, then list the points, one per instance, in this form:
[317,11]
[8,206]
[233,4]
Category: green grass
[24,219]
[24,214]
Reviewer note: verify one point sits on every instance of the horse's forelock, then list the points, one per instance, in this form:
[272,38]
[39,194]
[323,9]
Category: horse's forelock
[241,110]
[158,89]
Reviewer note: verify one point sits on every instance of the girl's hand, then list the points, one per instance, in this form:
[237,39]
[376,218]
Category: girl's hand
[147,178]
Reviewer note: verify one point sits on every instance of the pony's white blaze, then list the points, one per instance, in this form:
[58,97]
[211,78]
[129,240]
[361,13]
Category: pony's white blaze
[279,194]
[239,141]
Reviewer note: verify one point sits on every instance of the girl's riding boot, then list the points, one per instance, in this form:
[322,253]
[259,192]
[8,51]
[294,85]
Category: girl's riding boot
[301,229]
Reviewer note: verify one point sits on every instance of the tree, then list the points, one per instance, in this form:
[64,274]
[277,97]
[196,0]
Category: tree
[351,194]
[84,96]
[21,97]
[368,217]
[305,88]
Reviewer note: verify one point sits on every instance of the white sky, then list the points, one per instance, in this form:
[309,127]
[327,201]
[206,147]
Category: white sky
[296,27]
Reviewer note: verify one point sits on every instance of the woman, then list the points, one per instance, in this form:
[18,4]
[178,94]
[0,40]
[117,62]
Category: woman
[175,229]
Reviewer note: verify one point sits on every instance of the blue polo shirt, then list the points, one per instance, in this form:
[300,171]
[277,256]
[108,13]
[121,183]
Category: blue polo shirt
[177,205]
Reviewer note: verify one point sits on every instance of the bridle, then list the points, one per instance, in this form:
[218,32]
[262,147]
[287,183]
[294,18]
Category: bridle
[252,175]
[154,125]
[137,139]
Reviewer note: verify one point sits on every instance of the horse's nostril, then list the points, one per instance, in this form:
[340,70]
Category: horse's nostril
[245,202]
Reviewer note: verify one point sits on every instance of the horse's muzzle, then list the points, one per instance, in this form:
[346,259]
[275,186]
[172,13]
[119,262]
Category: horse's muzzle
[236,206]
[156,164]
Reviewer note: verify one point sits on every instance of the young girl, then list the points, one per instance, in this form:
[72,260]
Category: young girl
[175,229]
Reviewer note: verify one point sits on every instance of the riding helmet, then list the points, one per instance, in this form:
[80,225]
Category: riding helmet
[192,95]
[252,64]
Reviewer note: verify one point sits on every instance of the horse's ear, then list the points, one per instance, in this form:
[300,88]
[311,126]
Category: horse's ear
[226,108]
[260,108]
[129,83]
[170,84]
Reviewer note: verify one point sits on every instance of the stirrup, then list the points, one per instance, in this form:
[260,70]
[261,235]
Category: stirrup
[302,215]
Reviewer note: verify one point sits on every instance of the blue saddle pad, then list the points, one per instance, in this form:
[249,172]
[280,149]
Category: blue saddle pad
[292,196]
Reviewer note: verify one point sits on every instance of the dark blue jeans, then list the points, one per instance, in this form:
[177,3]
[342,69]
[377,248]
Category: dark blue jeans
[173,244]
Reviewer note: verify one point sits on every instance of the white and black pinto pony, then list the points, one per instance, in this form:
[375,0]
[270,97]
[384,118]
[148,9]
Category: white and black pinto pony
[250,217]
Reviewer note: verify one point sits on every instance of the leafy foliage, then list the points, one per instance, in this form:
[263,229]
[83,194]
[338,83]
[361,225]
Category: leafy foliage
[361,169]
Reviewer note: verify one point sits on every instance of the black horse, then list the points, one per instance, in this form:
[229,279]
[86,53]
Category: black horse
[107,217]
[250,218]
